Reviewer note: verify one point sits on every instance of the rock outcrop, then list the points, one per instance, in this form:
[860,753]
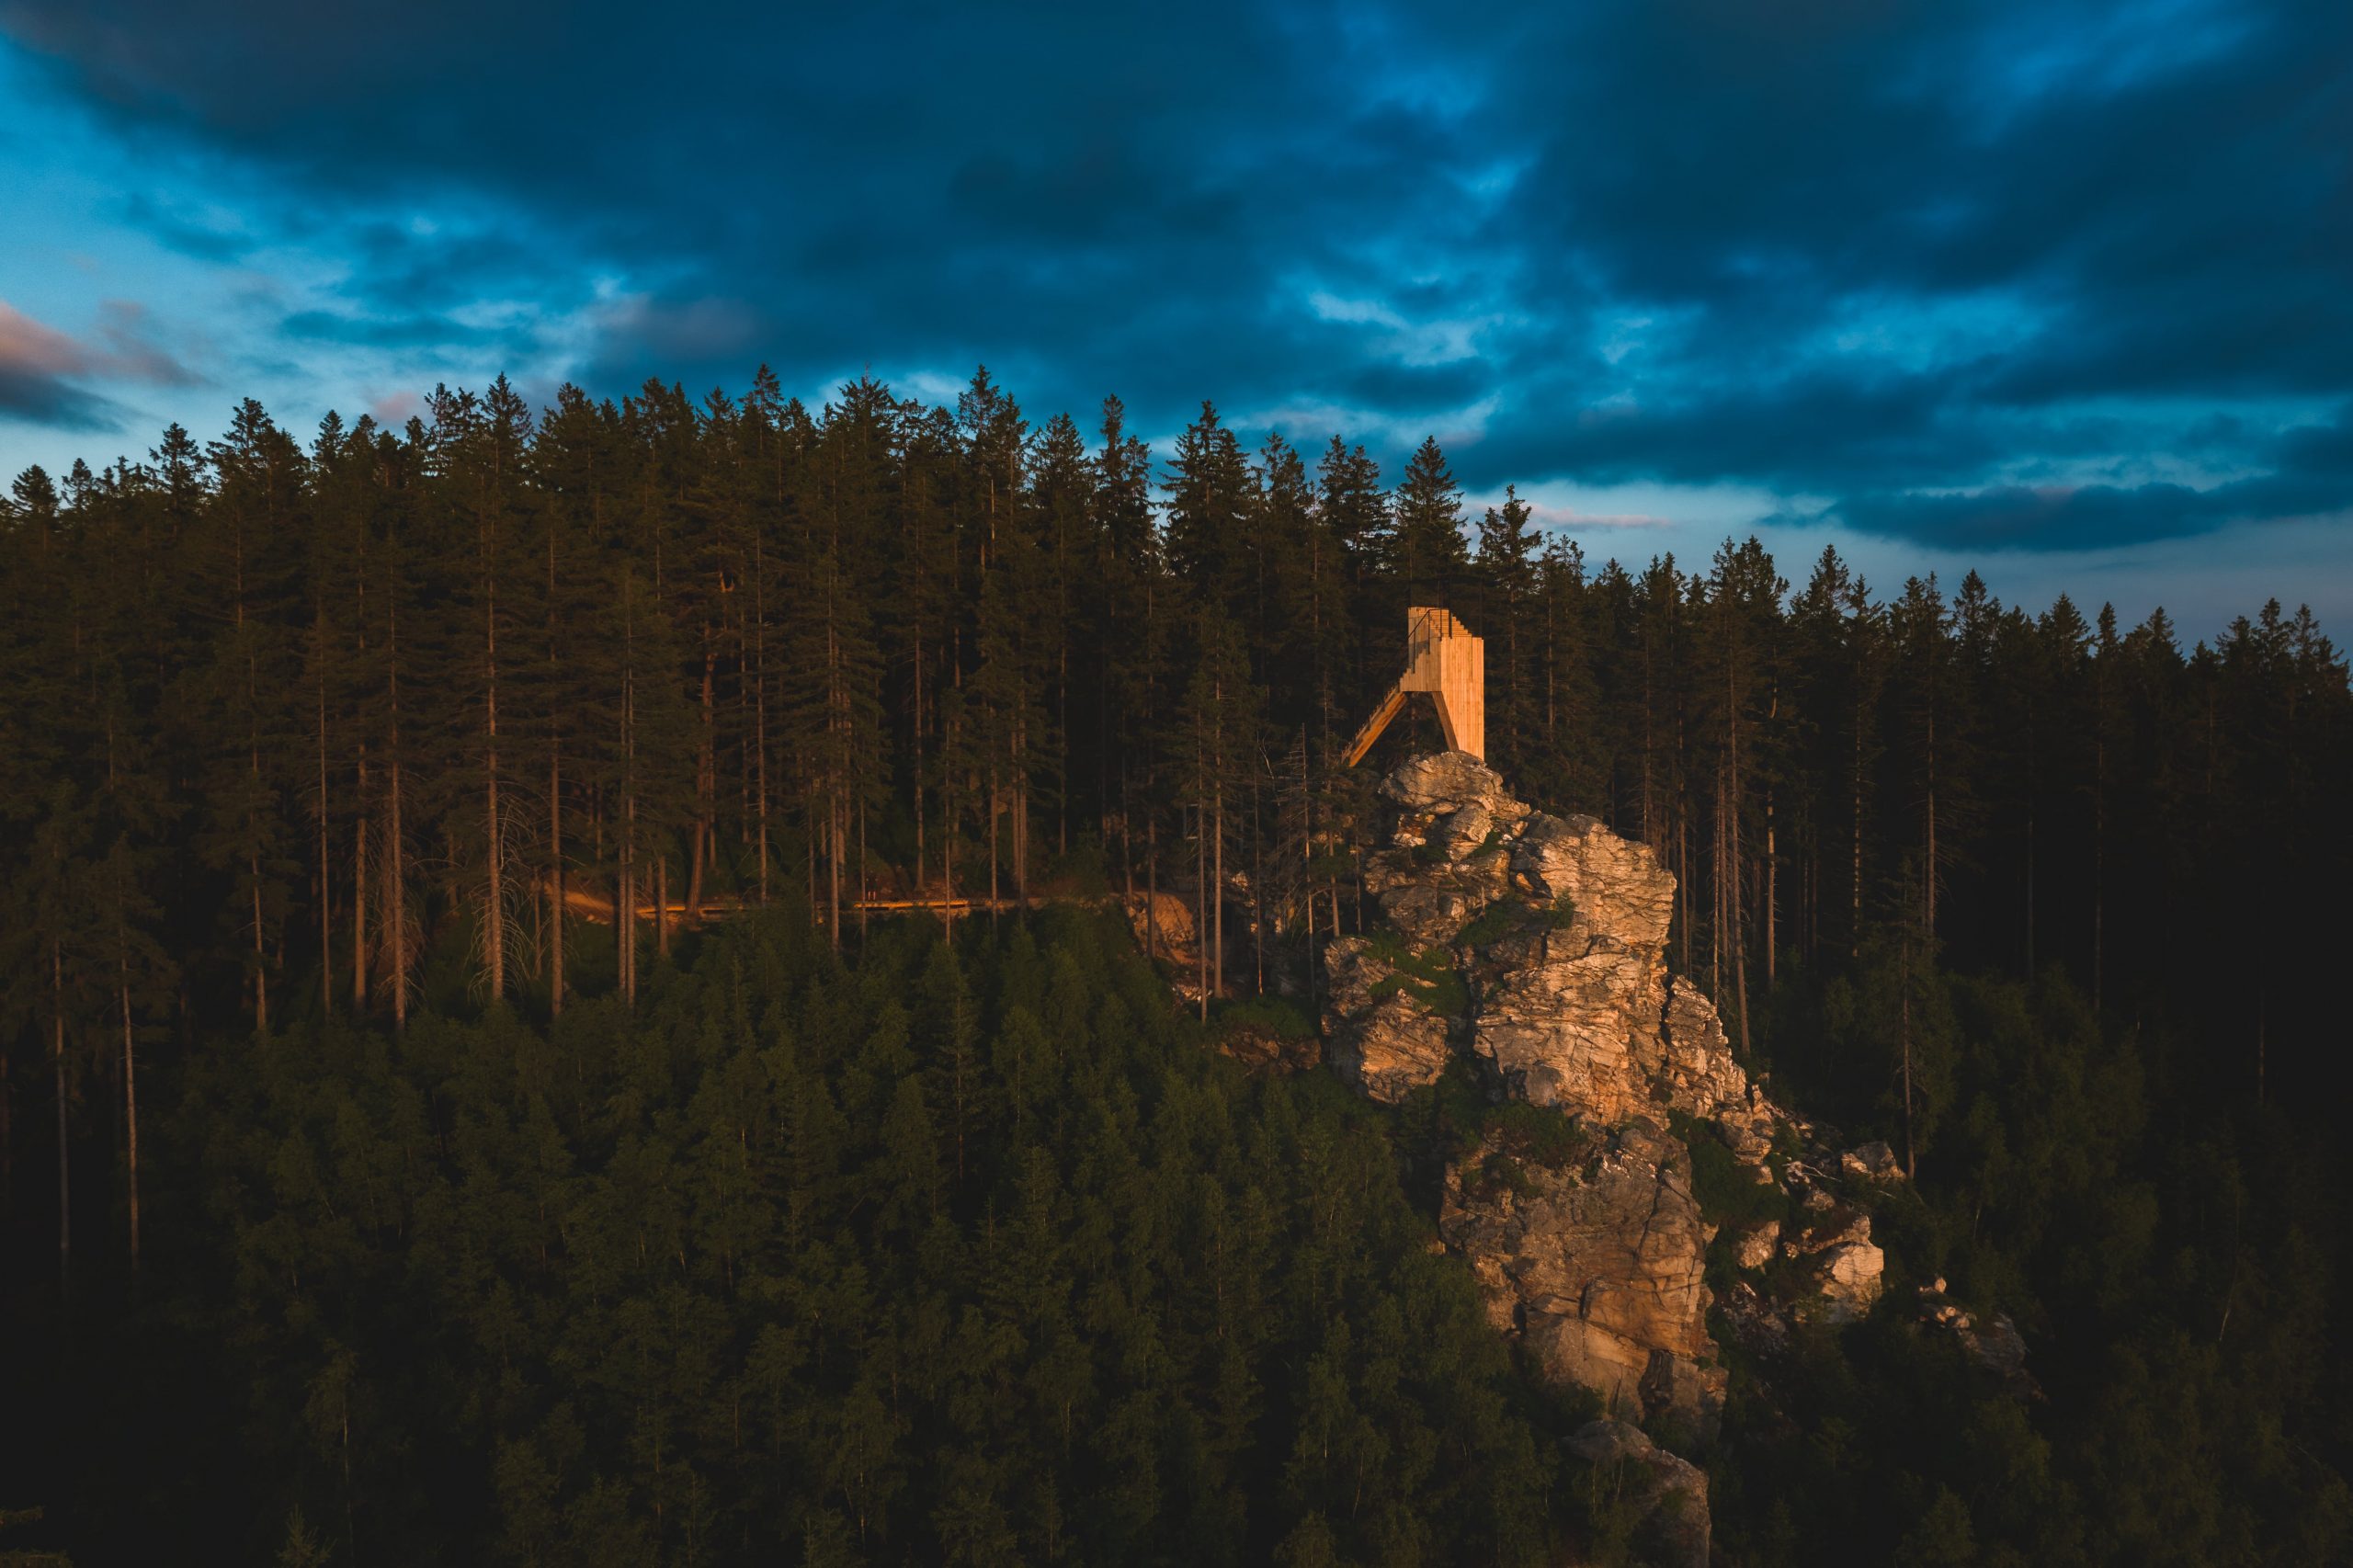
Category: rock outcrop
[1834,1239]
[1533,947]
[1996,1349]
[1558,924]
[1597,1266]
[1529,951]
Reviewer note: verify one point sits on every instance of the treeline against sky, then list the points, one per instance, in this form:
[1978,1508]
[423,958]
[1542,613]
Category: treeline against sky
[843,1241]
[288,717]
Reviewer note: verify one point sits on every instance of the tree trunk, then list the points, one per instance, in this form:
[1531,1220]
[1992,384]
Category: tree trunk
[555,874]
[396,886]
[1217,884]
[661,902]
[2099,866]
[493,908]
[261,961]
[1929,892]
[706,790]
[1257,892]
[625,901]
[1772,893]
[1855,927]
[65,1164]
[834,871]
[1201,902]
[327,907]
[359,894]
[760,718]
[398,870]
[129,1112]
[1911,1154]
[555,791]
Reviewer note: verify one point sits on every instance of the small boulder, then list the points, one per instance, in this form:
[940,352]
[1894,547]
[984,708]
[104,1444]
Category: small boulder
[1847,1278]
[1873,1162]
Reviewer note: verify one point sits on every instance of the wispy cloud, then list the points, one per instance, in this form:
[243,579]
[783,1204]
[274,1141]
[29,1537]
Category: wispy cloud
[43,370]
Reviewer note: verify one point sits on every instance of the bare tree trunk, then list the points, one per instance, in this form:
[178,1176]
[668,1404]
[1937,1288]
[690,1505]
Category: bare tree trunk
[398,888]
[625,926]
[65,1164]
[261,962]
[556,873]
[947,831]
[2032,784]
[706,790]
[555,792]
[129,1110]
[1772,863]
[1217,884]
[1151,881]
[359,894]
[326,907]
[625,903]
[253,738]
[662,901]
[917,771]
[1772,893]
[495,911]
[1911,1154]
[834,871]
[1128,846]
[1854,928]
[1201,902]
[1930,892]
[1258,892]
[760,717]
[2100,864]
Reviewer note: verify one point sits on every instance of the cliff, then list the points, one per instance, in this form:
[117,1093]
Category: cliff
[1531,949]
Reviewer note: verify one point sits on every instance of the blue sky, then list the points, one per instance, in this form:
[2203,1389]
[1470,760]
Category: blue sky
[2062,292]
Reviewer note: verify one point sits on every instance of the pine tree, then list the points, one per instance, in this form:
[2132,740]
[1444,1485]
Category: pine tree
[1427,553]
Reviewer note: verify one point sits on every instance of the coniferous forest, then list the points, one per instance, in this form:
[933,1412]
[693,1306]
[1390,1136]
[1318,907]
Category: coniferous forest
[475,1086]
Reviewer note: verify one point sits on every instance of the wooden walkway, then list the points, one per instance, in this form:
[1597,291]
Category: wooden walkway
[597,908]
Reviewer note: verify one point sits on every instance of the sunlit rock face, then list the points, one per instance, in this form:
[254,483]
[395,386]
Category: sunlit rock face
[1556,928]
[1596,1263]
[1532,949]
[1522,957]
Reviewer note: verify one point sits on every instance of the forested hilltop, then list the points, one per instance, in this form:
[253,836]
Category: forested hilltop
[370,1152]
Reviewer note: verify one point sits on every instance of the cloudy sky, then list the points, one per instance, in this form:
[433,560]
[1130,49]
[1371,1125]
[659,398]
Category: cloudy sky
[2062,292]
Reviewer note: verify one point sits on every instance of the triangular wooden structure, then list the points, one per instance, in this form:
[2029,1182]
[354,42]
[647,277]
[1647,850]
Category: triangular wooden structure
[1443,659]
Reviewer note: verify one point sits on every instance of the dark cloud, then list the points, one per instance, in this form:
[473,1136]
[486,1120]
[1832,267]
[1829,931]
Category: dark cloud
[1949,263]
[41,398]
[43,369]
[2312,475]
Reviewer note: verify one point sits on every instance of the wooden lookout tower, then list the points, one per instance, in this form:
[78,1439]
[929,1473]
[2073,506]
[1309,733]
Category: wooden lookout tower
[1443,659]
